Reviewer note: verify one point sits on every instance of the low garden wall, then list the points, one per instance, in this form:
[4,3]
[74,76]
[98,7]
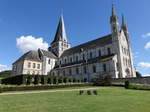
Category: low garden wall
[142,80]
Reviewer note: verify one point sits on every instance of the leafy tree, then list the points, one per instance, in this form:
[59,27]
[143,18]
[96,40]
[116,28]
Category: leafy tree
[138,74]
[5,74]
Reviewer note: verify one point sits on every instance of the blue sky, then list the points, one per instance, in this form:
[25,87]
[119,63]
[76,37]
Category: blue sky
[84,20]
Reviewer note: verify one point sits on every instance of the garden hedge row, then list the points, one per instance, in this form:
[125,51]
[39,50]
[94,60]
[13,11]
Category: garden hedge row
[40,79]
[136,86]
[38,87]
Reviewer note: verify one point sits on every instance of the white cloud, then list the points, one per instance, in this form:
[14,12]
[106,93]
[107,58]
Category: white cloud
[146,75]
[146,35]
[147,46]
[144,65]
[4,67]
[27,43]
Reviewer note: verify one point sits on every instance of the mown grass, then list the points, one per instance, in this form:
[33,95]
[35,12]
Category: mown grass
[110,99]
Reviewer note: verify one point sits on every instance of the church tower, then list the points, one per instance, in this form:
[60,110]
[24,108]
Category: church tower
[115,28]
[115,32]
[121,46]
[60,42]
[124,27]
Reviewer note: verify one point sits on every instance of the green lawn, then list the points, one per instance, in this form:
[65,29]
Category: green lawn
[110,99]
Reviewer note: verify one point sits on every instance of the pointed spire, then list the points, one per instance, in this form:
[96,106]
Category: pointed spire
[124,25]
[123,21]
[113,10]
[60,33]
[113,17]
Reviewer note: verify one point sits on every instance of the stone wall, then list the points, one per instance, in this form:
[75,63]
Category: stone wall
[142,80]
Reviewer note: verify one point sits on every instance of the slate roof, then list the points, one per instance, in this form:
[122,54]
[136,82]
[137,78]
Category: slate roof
[48,54]
[60,32]
[30,55]
[100,42]
[35,55]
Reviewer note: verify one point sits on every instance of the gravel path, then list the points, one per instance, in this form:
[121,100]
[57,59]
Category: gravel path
[46,91]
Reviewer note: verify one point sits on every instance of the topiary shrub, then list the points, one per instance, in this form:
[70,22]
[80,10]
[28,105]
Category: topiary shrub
[1,90]
[89,92]
[81,92]
[70,80]
[85,80]
[36,79]
[64,80]
[126,84]
[28,80]
[54,81]
[95,92]
[43,79]
[48,81]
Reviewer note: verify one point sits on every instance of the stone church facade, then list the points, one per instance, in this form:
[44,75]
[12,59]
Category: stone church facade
[107,55]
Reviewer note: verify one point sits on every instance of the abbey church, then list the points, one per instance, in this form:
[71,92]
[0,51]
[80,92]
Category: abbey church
[107,55]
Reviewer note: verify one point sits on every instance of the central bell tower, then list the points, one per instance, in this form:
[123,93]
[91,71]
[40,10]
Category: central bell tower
[60,42]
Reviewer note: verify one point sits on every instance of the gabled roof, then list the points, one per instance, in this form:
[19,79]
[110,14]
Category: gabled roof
[48,54]
[31,55]
[100,42]
[35,55]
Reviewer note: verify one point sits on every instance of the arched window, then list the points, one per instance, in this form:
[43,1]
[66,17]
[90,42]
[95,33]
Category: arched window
[64,73]
[99,53]
[77,70]
[65,61]
[108,50]
[104,67]
[90,55]
[122,49]
[70,71]
[83,56]
[34,65]
[84,68]
[29,65]
[76,58]
[117,66]
[49,61]
[94,69]
[71,60]
[38,66]
[129,62]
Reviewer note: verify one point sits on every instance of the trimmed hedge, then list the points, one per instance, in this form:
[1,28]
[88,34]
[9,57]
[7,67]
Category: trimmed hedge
[39,79]
[38,87]
[139,87]
[127,85]
[1,90]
